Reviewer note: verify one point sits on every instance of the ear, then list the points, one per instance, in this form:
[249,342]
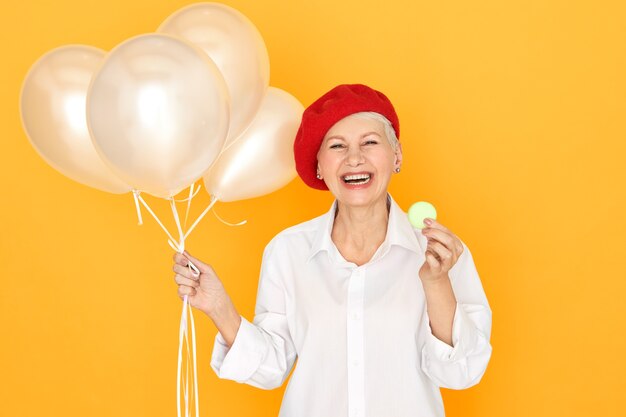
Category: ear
[398,153]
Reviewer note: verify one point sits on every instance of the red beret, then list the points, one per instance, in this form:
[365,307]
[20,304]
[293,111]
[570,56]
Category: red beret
[319,117]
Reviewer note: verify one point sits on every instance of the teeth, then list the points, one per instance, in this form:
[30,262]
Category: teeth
[356,177]
[360,182]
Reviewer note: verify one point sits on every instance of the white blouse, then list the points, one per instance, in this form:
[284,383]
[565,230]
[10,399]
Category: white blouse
[361,334]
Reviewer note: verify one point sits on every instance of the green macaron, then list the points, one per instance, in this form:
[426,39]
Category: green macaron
[420,211]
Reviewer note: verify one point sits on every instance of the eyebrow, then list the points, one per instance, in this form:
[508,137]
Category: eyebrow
[362,136]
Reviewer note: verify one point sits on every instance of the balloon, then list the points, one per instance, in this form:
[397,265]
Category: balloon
[158,113]
[52,107]
[261,160]
[237,48]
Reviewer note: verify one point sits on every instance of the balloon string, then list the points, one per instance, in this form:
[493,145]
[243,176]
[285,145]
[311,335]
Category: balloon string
[186,386]
[206,210]
[139,219]
[173,245]
[180,247]
[241,223]
[186,377]
[138,196]
[193,350]
[191,196]
[181,333]
[183,336]
[181,235]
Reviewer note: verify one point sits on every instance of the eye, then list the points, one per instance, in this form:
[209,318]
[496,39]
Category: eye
[336,146]
[371,142]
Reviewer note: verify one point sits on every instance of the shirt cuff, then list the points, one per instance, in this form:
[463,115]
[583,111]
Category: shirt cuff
[463,339]
[243,358]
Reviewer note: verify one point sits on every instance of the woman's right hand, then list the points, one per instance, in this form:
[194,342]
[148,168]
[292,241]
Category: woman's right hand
[205,291]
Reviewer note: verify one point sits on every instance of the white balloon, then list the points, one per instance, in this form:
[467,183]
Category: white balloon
[52,107]
[261,160]
[158,113]
[237,48]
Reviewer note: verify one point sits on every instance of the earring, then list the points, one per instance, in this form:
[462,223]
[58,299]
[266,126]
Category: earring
[319,176]
[397,170]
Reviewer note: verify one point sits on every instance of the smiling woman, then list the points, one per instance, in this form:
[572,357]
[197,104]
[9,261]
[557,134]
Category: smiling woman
[356,155]
[378,314]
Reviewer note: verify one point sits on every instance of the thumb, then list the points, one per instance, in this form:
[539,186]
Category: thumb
[204,268]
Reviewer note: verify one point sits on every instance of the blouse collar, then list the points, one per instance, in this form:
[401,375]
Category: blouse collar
[399,233]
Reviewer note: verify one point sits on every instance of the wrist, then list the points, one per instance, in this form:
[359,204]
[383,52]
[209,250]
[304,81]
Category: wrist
[214,310]
[221,309]
[435,280]
[227,320]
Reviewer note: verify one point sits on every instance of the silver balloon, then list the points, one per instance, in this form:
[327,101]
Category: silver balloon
[261,160]
[52,107]
[158,112]
[237,48]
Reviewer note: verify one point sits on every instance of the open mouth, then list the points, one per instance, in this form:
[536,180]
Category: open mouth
[356,179]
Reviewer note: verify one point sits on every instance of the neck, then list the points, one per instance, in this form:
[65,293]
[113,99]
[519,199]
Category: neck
[359,231]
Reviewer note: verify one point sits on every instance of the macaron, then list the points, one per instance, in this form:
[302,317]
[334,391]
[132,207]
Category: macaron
[420,211]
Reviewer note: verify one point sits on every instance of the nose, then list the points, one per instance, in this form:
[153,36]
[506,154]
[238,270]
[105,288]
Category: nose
[354,157]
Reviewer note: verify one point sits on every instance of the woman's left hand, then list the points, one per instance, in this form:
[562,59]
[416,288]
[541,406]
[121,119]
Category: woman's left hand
[442,252]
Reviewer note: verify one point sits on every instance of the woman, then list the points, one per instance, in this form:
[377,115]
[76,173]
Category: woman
[378,314]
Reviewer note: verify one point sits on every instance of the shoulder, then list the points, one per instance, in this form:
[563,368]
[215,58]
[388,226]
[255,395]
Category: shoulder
[297,237]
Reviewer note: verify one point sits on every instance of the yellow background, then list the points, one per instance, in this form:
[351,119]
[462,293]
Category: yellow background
[512,118]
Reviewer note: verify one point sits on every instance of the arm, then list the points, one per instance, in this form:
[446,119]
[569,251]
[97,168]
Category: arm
[441,306]
[259,354]
[206,293]
[227,320]
[262,353]
[442,252]
[457,351]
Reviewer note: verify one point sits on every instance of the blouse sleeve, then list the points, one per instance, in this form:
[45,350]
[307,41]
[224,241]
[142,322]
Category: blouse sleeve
[263,352]
[463,364]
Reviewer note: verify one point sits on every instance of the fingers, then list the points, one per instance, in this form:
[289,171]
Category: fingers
[186,286]
[432,261]
[185,272]
[184,290]
[443,248]
[180,259]
[185,258]
[186,278]
[444,235]
[204,268]
[447,238]
[181,280]
[436,225]
[440,235]
[441,253]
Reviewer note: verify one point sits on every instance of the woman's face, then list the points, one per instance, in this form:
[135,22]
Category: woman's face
[356,161]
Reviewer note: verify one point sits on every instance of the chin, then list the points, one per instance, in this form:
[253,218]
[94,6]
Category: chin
[359,198]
